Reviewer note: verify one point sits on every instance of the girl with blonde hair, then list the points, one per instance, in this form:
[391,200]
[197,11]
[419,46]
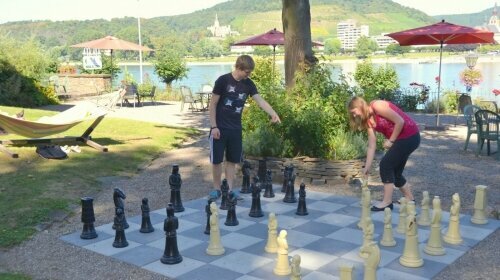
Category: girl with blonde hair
[402,138]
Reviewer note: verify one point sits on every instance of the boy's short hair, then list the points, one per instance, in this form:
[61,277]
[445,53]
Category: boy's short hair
[245,62]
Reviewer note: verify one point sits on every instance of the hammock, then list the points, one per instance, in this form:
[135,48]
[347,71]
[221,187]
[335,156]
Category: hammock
[46,126]
[56,124]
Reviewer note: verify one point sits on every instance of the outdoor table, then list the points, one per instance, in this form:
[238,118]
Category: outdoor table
[204,99]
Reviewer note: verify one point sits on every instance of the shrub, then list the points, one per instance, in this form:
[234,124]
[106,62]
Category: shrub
[376,83]
[450,101]
[146,86]
[347,145]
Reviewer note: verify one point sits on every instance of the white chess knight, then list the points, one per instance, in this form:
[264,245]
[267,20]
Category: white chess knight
[402,216]
[411,254]
[434,245]
[425,218]
[214,246]
[272,234]
[372,260]
[368,230]
[282,263]
[453,236]
[387,237]
[480,203]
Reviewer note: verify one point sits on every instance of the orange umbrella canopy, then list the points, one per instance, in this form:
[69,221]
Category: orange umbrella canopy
[111,43]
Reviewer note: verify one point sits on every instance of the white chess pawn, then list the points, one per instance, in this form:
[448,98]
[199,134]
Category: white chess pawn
[402,216]
[365,206]
[425,217]
[434,245]
[368,230]
[411,254]
[346,271]
[214,246]
[452,236]
[372,261]
[296,274]
[480,203]
[272,234]
[282,264]
[387,237]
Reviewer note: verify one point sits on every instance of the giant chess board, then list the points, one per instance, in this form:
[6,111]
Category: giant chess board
[325,239]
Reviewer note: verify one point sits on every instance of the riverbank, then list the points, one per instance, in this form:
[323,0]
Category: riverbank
[347,60]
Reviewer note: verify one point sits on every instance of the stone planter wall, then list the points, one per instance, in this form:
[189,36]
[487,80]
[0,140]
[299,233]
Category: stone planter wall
[315,171]
[81,85]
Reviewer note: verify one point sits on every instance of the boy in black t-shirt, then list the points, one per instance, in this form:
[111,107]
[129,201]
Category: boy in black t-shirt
[230,93]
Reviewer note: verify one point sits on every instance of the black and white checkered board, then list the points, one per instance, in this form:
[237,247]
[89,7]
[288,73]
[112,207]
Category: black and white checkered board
[326,238]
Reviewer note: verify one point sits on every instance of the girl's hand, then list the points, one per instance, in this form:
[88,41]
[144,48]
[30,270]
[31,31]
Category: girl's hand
[387,144]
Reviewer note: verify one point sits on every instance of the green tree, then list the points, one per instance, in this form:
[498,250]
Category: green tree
[207,48]
[365,46]
[333,46]
[396,49]
[376,83]
[170,66]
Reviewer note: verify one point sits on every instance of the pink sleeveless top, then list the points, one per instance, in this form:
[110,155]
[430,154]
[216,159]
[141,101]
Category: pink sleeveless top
[386,127]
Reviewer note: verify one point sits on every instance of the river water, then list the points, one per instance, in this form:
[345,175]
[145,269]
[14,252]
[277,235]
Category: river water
[200,74]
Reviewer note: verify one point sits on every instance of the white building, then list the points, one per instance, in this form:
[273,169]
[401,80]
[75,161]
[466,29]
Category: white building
[384,41]
[349,33]
[221,31]
[493,25]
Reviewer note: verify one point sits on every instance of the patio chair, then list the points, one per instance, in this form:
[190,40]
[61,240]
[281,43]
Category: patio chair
[195,104]
[150,95]
[130,93]
[470,119]
[488,124]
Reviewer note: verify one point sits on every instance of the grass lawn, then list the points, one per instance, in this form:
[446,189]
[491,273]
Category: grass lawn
[32,188]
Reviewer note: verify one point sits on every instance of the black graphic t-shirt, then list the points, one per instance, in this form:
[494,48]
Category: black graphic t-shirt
[233,95]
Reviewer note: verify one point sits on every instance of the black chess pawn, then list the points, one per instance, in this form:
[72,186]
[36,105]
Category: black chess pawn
[224,195]
[146,226]
[290,193]
[245,185]
[255,209]
[209,213]
[175,183]
[301,207]
[120,239]
[231,219]
[88,218]
[285,178]
[261,172]
[268,191]
[118,197]
[171,254]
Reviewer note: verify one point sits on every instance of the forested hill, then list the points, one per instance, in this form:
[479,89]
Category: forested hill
[248,17]
[474,19]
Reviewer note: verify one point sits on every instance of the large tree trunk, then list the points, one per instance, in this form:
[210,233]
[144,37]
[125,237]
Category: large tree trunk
[296,17]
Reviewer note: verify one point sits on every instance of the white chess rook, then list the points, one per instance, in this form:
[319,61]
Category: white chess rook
[480,203]
[346,271]
[272,234]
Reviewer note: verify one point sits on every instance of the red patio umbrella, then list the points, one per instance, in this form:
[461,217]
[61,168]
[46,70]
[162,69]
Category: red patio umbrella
[111,43]
[270,38]
[442,33]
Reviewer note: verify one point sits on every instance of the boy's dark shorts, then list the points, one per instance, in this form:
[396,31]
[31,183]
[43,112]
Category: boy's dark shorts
[230,143]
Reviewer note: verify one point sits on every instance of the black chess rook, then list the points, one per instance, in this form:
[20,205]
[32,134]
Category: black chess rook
[175,183]
[88,218]
[171,254]
[301,206]
[146,226]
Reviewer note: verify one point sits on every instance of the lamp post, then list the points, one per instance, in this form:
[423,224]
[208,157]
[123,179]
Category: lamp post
[471,60]
[140,42]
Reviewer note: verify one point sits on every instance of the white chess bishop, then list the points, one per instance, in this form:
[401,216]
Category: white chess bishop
[214,246]
[453,236]
[434,245]
[411,254]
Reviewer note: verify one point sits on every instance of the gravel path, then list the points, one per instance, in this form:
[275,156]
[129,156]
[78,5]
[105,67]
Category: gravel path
[440,166]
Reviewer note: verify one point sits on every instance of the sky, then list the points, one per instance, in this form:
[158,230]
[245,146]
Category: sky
[56,10]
